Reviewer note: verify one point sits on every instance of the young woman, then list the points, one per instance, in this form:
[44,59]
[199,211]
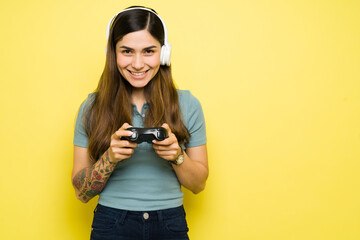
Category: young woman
[139,184]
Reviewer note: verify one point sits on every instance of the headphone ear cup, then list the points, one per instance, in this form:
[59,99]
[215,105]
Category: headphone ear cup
[165,54]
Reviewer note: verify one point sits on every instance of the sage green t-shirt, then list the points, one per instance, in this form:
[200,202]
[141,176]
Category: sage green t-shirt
[146,181]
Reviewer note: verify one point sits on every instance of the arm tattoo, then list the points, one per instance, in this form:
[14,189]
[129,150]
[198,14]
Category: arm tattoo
[92,180]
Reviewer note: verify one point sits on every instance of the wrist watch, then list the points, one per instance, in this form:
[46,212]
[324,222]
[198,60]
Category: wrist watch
[180,159]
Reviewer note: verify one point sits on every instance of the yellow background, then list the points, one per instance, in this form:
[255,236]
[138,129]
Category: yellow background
[279,82]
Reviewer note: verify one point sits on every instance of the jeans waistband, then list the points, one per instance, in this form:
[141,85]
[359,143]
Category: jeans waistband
[157,215]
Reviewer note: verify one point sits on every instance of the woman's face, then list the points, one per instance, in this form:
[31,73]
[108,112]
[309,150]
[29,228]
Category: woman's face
[138,57]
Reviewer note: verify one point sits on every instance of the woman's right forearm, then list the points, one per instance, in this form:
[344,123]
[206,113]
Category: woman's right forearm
[90,181]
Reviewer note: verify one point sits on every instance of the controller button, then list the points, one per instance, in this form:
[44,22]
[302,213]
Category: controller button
[134,135]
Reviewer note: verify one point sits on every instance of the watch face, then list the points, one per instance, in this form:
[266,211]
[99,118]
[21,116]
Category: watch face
[180,160]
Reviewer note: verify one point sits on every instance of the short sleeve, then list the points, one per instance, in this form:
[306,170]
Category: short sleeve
[80,137]
[193,118]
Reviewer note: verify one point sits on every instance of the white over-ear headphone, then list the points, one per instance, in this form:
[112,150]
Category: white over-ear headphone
[165,49]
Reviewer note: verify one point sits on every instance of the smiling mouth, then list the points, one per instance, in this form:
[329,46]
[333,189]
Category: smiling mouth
[138,73]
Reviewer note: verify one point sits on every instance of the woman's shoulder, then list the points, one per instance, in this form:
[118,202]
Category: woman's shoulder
[188,102]
[186,97]
[88,101]
[91,97]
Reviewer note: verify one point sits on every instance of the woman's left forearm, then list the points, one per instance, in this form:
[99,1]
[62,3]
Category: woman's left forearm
[193,171]
[192,174]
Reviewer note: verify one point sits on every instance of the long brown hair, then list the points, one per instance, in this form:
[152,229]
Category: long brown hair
[112,107]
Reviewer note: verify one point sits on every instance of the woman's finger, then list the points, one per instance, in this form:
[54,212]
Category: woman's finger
[167,141]
[124,151]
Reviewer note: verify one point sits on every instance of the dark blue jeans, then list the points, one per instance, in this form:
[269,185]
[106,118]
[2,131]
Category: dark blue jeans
[110,223]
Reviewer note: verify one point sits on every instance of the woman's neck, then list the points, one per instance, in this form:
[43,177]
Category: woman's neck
[138,98]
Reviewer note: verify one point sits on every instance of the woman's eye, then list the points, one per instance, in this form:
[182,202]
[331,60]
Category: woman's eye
[149,51]
[126,51]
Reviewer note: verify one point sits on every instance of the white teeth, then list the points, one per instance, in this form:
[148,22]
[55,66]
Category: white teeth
[137,74]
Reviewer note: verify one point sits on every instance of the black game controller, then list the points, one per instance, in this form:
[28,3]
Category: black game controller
[146,134]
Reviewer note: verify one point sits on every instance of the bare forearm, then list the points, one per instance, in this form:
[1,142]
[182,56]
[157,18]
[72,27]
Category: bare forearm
[90,181]
[192,174]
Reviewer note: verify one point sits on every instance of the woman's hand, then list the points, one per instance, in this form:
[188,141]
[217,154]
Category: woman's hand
[169,148]
[121,149]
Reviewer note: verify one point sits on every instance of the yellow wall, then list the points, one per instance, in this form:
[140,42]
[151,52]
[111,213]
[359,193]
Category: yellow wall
[279,83]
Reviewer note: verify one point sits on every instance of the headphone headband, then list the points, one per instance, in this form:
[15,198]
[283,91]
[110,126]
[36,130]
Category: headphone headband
[165,49]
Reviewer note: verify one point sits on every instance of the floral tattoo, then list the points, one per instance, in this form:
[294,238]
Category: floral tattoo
[91,181]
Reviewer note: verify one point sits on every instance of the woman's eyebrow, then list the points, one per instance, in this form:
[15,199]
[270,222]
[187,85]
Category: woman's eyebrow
[128,48]
[150,47]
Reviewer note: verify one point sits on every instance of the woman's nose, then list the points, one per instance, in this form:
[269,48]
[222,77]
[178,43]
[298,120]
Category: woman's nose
[138,62]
